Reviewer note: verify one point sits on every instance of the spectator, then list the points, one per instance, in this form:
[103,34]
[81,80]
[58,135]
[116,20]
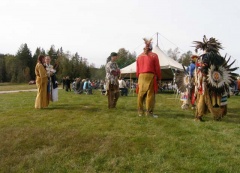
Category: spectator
[74,85]
[52,80]
[102,84]
[78,86]
[93,84]
[122,87]
[68,84]
[82,83]
[128,83]
[63,82]
[87,86]
[41,82]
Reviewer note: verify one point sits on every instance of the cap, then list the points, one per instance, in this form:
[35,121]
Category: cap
[114,54]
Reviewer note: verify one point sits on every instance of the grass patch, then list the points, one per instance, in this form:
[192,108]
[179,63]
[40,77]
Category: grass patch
[79,134]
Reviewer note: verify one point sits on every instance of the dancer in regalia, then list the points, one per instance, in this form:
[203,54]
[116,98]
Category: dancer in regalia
[112,85]
[185,84]
[148,73]
[212,79]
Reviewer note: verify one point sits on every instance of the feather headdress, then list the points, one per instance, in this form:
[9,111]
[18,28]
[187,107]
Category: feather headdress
[219,73]
[148,45]
[211,45]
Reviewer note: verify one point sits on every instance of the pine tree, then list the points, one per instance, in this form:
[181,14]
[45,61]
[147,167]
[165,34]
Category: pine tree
[24,61]
[2,68]
[52,53]
[76,65]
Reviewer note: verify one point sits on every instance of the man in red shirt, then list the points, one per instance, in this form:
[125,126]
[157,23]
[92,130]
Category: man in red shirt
[148,73]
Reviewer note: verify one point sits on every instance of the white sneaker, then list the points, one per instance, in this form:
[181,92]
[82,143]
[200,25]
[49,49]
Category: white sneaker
[155,116]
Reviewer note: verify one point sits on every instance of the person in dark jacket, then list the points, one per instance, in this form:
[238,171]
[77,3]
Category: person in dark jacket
[68,84]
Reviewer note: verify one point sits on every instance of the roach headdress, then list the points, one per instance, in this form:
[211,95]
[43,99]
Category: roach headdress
[208,45]
[148,45]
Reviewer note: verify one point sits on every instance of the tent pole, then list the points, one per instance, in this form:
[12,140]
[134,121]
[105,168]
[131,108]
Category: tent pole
[157,39]
[131,82]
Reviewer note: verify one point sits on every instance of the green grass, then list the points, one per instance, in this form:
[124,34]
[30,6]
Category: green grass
[79,134]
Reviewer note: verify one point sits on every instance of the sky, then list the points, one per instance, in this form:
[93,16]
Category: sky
[95,28]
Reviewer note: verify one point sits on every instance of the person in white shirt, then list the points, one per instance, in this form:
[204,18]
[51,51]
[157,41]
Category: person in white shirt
[48,67]
[87,86]
[123,87]
[52,84]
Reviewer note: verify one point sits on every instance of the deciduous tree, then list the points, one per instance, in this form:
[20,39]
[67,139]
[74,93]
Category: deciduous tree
[173,53]
[185,58]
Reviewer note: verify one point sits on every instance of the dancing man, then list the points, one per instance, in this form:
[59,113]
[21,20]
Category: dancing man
[112,85]
[148,73]
[213,78]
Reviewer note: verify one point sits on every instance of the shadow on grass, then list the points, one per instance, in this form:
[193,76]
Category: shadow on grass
[189,114]
[82,107]
[231,116]
[186,114]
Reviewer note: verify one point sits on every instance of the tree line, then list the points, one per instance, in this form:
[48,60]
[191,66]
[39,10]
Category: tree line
[184,58]
[20,68]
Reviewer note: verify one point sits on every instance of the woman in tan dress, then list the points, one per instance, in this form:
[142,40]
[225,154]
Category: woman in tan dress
[41,82]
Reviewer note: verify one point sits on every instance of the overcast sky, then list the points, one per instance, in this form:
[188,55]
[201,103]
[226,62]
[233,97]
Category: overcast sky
[95,28]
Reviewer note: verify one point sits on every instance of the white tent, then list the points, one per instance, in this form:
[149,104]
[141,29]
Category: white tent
[167,65]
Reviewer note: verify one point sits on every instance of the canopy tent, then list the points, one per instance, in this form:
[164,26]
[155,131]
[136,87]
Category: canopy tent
[167,66]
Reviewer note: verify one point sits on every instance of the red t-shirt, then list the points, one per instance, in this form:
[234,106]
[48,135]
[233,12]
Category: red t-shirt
[148,64]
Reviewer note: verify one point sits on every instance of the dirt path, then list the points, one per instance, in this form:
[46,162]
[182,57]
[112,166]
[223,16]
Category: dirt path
[16,91]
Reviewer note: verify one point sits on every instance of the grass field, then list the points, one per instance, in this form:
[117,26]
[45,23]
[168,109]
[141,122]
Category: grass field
[79,134]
